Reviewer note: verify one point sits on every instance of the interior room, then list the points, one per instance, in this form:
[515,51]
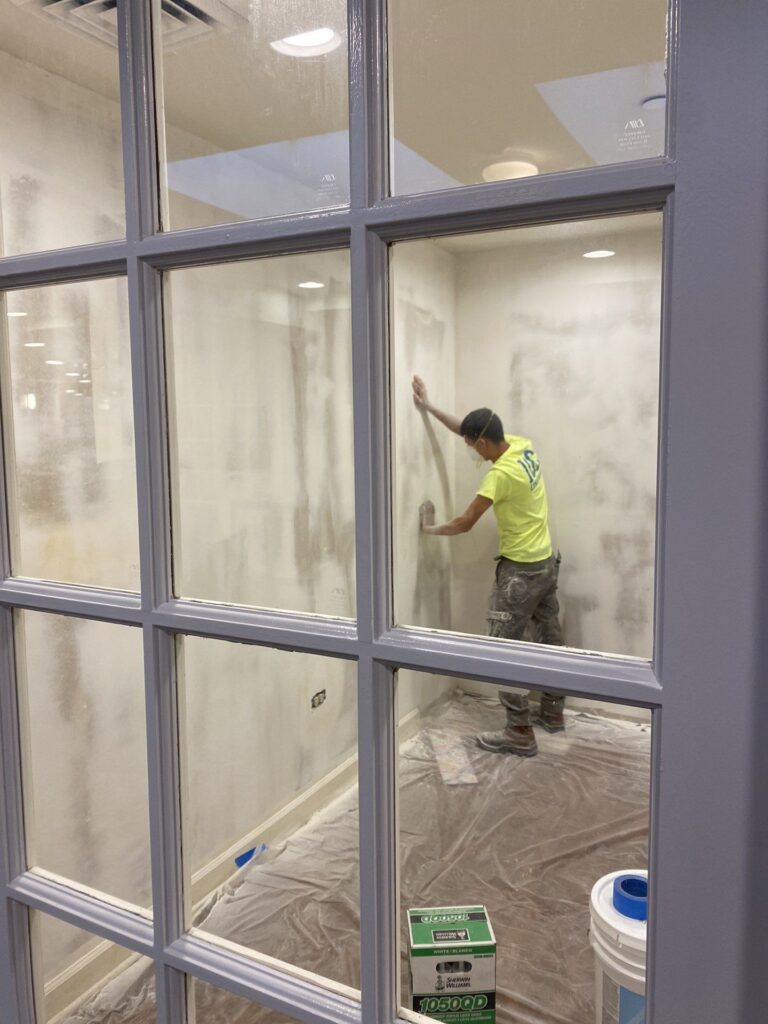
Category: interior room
[554,327]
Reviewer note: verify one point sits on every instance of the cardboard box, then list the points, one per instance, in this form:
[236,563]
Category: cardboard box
[453,964]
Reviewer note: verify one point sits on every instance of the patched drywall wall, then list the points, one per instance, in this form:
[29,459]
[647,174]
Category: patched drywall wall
[566,350]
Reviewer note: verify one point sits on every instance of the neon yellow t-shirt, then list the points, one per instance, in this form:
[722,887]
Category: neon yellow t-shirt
[515,485]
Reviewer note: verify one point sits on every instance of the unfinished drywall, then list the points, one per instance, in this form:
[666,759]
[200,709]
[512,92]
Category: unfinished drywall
[262,454]
[566,350]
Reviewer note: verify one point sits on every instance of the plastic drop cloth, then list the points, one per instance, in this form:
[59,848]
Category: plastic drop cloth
[528,839]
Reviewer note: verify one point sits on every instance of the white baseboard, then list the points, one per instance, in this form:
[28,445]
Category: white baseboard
[92,970]
[290,817]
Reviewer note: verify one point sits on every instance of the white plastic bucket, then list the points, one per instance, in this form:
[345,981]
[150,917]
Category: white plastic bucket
[619,941]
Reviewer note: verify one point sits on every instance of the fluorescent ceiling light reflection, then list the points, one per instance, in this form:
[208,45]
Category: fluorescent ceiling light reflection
[506,169]
[599,254]
[34,344]
[86,380]
[308,44]
[54,362]
[29,401]
[17,314]
[311,284]
[72,373]
[70,391]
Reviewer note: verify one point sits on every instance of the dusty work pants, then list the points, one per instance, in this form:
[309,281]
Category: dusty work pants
[525,595]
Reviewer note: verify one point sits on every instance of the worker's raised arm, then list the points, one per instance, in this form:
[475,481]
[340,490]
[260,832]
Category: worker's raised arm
[422,402]
[459,524]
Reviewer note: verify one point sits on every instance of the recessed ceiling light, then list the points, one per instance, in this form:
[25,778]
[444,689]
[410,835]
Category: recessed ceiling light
[506,169]
[308,44]
[311,284]
[654,103]
[17,314]
[54,362]
[34,344]
[599,254]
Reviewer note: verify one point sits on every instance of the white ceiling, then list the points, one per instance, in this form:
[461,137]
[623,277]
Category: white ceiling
[464,72]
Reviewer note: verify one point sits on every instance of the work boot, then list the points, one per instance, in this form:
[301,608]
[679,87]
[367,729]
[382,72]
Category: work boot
[512,740]
[550,714]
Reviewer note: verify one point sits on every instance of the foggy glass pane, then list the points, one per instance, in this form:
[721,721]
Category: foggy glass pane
[269,761]
[69,433]
[261,432]
[555,329]
[529,839]
[213,1005]
[508,90]
[61,173]
[254,106]
[85,752]
[83,979]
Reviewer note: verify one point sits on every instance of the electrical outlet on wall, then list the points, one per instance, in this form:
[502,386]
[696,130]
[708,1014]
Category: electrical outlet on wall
[318,699]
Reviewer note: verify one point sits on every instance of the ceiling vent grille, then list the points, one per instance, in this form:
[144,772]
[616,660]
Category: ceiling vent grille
[183,21]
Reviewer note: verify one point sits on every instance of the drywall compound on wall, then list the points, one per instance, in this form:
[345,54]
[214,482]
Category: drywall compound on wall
[566,349]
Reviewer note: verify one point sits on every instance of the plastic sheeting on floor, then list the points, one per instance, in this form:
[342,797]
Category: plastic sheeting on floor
[528,839]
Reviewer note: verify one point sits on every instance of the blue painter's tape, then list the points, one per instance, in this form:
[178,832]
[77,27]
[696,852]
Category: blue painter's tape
[630,896]
[255,851]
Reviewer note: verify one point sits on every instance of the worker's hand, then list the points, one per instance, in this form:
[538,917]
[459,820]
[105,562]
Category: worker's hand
[420,397]
[426,515]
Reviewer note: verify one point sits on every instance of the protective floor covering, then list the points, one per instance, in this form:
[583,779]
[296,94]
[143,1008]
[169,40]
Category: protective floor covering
[528,839]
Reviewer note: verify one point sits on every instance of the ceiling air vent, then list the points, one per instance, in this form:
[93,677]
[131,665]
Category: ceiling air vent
[183,21]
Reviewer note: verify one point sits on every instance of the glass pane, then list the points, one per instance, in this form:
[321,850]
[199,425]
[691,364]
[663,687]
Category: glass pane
[522,88]
[532,842]
[69,425]
[83,979]
[61,176]
[269,753]
[210,1004]
[254,109]
[555,329]
[85,754]
[261,425]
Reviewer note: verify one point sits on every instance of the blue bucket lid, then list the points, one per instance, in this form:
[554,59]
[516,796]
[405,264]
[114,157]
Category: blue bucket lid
[630,896]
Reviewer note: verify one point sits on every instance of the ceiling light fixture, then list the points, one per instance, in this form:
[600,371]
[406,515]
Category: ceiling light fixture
[54,362]
[599,254]
[311,284]
[34,344]
[308,44]
[654,102]
[505,170]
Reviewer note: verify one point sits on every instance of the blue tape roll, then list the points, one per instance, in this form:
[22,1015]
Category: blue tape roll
[630,896]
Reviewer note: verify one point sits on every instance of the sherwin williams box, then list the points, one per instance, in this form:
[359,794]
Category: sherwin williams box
[453,964]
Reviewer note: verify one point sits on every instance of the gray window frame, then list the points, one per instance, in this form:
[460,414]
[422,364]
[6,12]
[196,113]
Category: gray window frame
[709,831]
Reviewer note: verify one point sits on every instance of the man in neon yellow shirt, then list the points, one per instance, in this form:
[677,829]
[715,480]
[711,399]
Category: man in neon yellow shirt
[525,588]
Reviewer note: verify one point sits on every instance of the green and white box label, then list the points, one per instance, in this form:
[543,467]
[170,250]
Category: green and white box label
[453,964]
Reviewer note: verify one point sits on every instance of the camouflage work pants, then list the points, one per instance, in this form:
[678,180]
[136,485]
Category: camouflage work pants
[525,597]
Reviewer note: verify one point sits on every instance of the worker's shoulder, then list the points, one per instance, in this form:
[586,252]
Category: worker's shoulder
[518,443]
